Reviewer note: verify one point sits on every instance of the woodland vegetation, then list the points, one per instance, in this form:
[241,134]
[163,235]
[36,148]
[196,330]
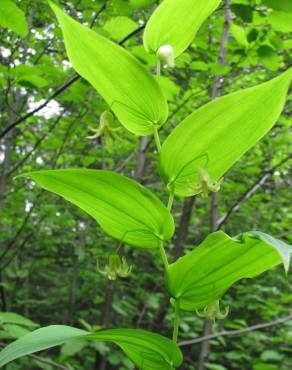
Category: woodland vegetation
[60,109]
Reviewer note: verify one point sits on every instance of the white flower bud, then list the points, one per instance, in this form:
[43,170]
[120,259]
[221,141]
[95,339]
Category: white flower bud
[166,55]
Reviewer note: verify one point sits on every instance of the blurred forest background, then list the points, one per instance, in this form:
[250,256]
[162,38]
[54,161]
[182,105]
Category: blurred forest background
[49,249]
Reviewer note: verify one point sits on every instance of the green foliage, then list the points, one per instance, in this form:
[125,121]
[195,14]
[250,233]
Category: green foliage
[13,318]
[218,262]
[123,208]
[12,17]
[57,266]
[148,351]
[219,133]
[176,24]
[283,5]
[129,89]
[13,326]
[281,21]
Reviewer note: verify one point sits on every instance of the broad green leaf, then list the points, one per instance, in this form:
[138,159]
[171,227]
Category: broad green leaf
[12,17]
[14,318]
[131,92]
[123,208]
[204,275]
[39,340]
[149,351]
[176,23]
[215,136]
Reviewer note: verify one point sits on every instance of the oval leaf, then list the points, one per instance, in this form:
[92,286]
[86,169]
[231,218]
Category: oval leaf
[131,92]
[123,208]
[176,23]
[149,351]
[219,133]
[205,274]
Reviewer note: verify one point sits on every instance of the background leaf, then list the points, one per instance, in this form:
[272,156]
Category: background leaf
[281,21]
[13,318]
[120,27]
[283,5]
[11,16]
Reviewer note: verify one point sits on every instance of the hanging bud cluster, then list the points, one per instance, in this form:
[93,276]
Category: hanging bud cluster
[105,126]
[117,267]
[166,55]
[206,184]
[212,311]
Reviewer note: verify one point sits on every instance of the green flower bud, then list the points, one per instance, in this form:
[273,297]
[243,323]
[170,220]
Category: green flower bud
[212,311]
[117,267]
[206,184]
[106,119]
[105,125]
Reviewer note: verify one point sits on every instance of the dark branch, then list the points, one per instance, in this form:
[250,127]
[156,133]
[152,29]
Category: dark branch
[44,104]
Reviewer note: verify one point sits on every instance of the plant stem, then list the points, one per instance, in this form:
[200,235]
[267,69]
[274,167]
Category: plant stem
[157,140]
[170,201]
[176,322]
[163,255]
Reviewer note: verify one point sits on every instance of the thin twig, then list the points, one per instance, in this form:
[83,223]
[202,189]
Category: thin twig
[37,144]
[56,93]
[251,191]
[236,332]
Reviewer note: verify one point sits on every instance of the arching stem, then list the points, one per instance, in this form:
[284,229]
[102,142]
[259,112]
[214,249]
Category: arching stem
[170,201]
[157,140]
[176,322]
[163,255]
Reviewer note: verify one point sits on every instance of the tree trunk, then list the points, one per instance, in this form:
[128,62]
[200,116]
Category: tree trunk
[182,231]
[100,361]
[73,290]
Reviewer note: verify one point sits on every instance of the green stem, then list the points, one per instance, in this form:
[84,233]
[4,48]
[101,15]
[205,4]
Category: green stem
[170,201]
[176,322]
[157,140]
[163,255]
